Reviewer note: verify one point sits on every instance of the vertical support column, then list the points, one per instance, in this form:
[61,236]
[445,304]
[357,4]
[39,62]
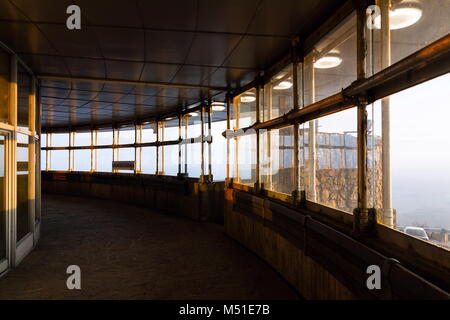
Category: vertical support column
[361,214]
[258,147]
[50,152]
[136,138]
[47,139]
[92,150]
[312,137]
[237,106]
[157,147]
[96,150]
[269,140]
[228,98]
[388,212]
[202,147]
[186,121]
[71,143]
[210,176]
[114,142]
[12,185]
[163,129]
[32,153]
[140,149]
[179,144]
[39,154]
[296,191]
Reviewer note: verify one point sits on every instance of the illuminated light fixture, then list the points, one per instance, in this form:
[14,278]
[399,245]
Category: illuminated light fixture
[218,106]
[168,119]
[193,114]
[404,15]
[331,60]
[248,97]
[283,85]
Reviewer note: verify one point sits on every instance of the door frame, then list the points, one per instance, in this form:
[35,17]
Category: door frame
[9,203]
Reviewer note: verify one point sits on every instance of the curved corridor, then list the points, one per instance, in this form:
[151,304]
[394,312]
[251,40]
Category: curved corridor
[127,252]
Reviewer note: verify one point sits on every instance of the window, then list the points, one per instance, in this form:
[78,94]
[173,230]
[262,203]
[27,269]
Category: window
[149,160]
[82,160]
[104,160]
[329,158]
[60,160]
[277,160]
[331,65]
[413,25]
[60,140]
[419,158]
[23,216]
[105,137]
[278,95]
[127,135]
[82,138]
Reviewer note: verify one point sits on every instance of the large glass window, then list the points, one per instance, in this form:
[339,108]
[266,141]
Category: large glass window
[171,160]
[60,140]
[419,158]
[149,160]
[82,139]
[331,65]
[171,131]
[82,160]
[126,154]
[60,160]
[277,156]
[278,95]
[149,132]
[104,160]
[413,24]
[245,110]
[105,137]
[23,215]
[329,160]
[219,143]
[127,135]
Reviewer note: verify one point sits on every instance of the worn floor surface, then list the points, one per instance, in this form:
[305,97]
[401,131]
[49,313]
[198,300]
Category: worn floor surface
[128,252]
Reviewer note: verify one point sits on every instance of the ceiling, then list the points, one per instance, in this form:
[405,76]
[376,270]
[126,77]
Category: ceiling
[200,47]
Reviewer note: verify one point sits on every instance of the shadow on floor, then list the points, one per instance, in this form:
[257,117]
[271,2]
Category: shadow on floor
[128,252]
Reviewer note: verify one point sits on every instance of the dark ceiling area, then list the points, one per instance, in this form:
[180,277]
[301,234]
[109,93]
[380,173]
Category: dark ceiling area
[157,56]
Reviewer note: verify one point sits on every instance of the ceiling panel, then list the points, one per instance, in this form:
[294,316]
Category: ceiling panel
[179,42]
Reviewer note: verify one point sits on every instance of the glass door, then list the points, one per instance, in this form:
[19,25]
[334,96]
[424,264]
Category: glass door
[4,216]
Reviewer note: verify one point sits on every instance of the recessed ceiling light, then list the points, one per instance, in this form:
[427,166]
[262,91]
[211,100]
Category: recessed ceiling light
[248,97]
[193,114]
[218,106]
[283,85]
[401,17]
[328,61]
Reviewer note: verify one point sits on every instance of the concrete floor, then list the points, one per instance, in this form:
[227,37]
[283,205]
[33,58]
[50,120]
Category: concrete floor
[127,252]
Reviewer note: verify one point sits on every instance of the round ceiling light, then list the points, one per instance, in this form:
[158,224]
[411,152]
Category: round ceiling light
[218,106]
[401,17]
[193,114]
[248,97]
[328,61]
[283,85]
